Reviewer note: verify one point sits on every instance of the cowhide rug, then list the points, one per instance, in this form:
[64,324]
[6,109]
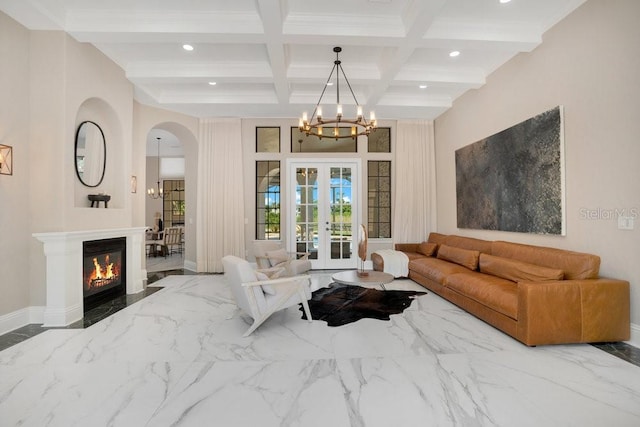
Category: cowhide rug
[341,304]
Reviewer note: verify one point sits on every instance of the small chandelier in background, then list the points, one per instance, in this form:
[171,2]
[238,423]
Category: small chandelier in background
[359,125]
[152,192]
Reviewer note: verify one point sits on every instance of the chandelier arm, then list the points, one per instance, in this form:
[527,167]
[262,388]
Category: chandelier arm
[352,93]
[315,110]
[337,65]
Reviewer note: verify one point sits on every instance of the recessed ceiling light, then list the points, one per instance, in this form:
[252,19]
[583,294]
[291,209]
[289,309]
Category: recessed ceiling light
[422,86]
[454,53]
[187,47]
[504,1]
[212,83]
[330,84]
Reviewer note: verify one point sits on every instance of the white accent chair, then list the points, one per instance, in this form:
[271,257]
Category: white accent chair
[271,253]
[260,298]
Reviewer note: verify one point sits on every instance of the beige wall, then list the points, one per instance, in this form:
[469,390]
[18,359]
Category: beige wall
[49,83]
[588,63]
[15,234]
[71,82]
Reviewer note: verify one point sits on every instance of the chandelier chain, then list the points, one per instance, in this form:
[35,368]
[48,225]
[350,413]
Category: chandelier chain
[151,192]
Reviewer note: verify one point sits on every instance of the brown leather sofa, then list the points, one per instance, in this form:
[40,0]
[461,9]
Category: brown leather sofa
[538,295]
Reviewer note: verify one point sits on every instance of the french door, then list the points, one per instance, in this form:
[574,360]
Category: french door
[324,211]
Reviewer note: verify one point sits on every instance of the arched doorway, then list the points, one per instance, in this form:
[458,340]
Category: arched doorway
[171,165]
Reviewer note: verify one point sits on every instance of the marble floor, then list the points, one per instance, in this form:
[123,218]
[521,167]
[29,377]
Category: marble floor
[178,358]
[163,263]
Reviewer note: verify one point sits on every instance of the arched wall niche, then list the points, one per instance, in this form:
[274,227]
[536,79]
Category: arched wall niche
[100,112]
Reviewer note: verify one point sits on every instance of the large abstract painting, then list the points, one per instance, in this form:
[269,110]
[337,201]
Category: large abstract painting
[514,180]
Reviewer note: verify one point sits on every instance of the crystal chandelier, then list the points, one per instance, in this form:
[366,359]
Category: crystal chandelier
[359,125]
[152,192]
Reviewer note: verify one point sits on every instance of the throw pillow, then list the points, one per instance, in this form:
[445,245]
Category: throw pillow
[427,249]
[260,276]
[517,271]
[277,257]
[463,257]
[267,289]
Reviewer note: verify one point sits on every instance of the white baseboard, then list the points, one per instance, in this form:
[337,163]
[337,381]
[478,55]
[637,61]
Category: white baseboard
[36,314]
[635,335]
[190,265]
[54,317]
[20,318]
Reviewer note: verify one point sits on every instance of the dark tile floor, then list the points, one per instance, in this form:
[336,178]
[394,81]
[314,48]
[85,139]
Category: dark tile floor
[622,350]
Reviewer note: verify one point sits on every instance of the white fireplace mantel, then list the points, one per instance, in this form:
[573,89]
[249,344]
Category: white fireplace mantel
[63,251]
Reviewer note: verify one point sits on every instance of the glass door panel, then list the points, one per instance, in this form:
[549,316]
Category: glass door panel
[340,207]
[306,208]
[324,213]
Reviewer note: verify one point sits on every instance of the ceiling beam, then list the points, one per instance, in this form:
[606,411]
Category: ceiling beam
[417,18]
[271,12]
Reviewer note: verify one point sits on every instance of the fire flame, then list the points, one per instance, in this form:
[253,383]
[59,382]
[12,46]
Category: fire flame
[102,274]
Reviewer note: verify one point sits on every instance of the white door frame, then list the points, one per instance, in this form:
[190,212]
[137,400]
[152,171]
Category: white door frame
[356,202]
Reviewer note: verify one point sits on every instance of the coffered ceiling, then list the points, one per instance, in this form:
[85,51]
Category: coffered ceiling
[271,58]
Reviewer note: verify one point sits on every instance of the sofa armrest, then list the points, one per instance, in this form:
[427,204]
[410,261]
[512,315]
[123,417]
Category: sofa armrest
[572,311]
[407,247]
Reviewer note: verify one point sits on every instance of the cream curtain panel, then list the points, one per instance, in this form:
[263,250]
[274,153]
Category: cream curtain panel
[220,210]
[414,213]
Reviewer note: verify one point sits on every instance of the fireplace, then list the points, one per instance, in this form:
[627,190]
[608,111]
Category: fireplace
[104,272]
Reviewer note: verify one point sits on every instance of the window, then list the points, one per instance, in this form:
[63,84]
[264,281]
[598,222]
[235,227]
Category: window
[379,141]
[173,202]
[379,198]
[301,143]
[268,200]
[267,139]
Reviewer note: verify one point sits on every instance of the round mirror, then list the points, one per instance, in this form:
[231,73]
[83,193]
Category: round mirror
[90,153]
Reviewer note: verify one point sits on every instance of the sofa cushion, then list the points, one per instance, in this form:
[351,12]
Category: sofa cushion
[575,265]
[434,268]
[517,271]
[494,292]
[413,255]
[267,289]
[463,257]
[437,238]
[277,257]
[427,249]
[469,243]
